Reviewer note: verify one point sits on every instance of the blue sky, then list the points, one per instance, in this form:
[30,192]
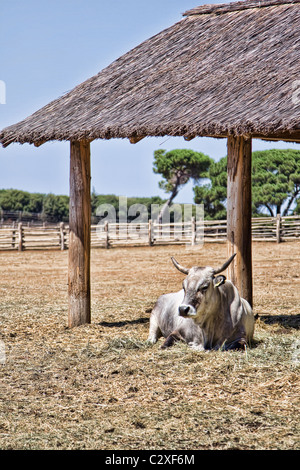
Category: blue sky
[47,48]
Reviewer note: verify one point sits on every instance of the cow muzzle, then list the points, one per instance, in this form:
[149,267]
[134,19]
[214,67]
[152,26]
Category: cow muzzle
[186,310]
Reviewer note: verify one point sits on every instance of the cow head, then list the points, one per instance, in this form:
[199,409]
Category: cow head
[199,287]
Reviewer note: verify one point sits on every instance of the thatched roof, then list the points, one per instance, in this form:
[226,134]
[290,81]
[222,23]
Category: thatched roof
[221,70]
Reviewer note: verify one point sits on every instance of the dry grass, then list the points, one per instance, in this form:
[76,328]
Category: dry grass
[101,386]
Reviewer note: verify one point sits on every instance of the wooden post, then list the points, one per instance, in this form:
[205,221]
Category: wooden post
[193,227]
[80,234]
[13,239]
[62,235]
[106,234]
[150,238]
[278,228]
[239,150]
[20,237]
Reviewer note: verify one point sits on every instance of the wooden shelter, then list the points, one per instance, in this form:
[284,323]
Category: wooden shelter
[226,71]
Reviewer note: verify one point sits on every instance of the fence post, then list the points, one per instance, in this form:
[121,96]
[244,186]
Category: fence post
[150,239]
[13,237]
[193,222]
[62,235]
[278,228]
[21,237]
[106,235]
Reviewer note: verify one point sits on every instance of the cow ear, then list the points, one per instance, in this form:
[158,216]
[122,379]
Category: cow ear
[219,280]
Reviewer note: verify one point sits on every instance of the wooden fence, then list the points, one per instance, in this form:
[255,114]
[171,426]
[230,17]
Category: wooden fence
[20,237]
[25,236]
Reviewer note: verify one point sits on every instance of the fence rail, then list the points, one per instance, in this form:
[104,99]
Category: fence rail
[25,237]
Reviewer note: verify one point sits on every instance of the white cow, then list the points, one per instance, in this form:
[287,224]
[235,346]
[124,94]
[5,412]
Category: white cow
[208,313]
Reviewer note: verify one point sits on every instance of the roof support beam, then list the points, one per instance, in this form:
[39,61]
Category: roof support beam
[80,234]
[239,152]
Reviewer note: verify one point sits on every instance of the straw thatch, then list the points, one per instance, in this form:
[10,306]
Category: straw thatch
[223,69]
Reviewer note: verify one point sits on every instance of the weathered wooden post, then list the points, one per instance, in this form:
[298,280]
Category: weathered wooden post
[106,228]
[20,237]
[193,233]
[80,234]
[239,150]
[150,237]
[13,239]
[278,228]
[62,236]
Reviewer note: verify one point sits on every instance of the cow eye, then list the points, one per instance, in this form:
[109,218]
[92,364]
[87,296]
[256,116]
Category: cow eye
[203,288]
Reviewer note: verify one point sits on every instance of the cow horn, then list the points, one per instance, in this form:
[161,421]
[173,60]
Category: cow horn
[179,267]
[225,265]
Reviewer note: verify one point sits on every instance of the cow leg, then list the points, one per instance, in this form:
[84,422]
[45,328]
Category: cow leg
[238,344]
[171,339]
[154,330]
[196,346]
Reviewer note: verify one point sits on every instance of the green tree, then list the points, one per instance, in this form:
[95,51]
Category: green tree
[94,203]
[214,194]
[297,208]
[17,200]
[275,184]
[177,167]
[35,203]
[275,180]
[14,199]
[112,200]
[56,208]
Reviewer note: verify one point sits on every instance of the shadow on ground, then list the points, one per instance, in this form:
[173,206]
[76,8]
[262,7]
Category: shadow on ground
[119,324]
[287,321]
